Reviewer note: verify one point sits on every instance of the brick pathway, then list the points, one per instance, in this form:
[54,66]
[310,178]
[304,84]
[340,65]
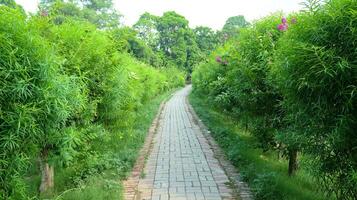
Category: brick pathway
[181,164]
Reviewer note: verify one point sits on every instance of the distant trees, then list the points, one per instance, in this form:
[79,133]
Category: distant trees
[157,40]
[233,24]
[207,39]
[127,40]
[171,37]
[98,12]
[172,42]
[146,27]
[11,4]
[101,13]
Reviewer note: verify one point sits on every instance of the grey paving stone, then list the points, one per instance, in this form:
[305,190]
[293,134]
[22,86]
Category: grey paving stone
[181,164]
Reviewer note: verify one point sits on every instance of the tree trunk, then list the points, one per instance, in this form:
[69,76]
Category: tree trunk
[293,162]
[47,173]
[246,124]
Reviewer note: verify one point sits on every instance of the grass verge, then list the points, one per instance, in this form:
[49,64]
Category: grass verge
[265,173]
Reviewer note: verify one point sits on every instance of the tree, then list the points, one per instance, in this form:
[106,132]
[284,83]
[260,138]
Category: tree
[126,40]
[194,54]
[45,4]
[99,12]
[146,27]
[11,4]
[177,40]
[233,24]
[206,39]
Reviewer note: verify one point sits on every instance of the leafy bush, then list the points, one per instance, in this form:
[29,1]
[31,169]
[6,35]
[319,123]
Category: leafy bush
[36,101]
[115,85]
[65,92]
[292,84]
[316,67]
[238,79]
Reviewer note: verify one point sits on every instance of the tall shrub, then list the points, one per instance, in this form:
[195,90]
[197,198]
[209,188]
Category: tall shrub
[36,100]
[317,72]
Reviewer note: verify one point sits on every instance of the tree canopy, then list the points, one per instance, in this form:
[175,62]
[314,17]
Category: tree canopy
[98,12]
[233,24]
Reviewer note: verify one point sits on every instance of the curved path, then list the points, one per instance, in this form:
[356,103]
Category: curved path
[181,164]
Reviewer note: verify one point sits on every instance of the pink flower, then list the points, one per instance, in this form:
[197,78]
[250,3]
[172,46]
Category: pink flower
[225,62]
[283,27]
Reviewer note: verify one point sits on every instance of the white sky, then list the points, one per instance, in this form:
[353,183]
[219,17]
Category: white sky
[212,13]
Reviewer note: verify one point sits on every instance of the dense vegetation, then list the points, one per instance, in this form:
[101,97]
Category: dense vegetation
[71,96]
[79,91]
[265,171]
[291,82]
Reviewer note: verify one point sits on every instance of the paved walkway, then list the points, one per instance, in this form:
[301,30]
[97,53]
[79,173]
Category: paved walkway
[181,164]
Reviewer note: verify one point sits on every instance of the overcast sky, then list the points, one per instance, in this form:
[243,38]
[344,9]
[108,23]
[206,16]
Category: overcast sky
[212,13]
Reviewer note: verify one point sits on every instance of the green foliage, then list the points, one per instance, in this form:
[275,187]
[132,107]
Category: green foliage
[66,91]
[265,187]
[36,100]
[12,4]
[316,71]
[311,6]
[115,86]
[233,25]
[98,12]
[264,171]
[101,13]
[127,40]
[122,153]
[9,3]
[240,82]
[146,28]
[172,28]
[207,39]
[173,42]
[294,88]
[170,37]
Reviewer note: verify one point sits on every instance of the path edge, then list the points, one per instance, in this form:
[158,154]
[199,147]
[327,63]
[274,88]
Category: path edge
[132,182]
[240,188]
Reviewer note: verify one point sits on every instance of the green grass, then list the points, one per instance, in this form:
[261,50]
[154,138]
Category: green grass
[108,184]
[264,171]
